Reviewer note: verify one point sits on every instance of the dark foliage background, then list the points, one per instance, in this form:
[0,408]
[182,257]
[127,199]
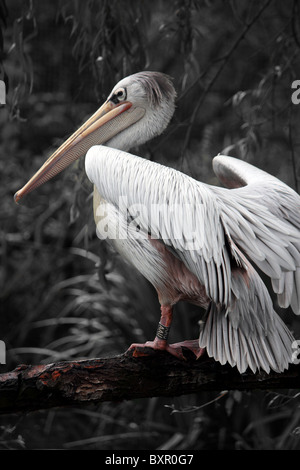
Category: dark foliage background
[64,294]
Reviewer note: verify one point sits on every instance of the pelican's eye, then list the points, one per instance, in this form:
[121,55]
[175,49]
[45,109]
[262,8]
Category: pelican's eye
[119,95]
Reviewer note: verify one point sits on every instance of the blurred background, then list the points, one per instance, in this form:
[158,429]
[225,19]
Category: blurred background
[65,294]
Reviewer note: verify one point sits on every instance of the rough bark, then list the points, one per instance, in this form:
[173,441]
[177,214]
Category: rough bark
[124,377]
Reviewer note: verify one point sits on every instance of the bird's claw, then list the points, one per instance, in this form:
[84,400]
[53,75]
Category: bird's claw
[176,349]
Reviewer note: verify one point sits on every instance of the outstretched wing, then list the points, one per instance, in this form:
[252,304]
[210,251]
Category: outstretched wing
[262,216]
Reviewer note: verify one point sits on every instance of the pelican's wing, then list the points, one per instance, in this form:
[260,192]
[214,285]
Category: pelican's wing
[172,207]
[262,216]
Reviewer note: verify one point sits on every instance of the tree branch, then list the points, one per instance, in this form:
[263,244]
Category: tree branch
[124,377]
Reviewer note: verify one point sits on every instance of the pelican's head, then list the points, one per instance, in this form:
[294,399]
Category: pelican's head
[139,107]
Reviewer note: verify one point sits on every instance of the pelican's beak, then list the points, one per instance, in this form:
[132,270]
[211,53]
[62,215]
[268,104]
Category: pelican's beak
[109,120]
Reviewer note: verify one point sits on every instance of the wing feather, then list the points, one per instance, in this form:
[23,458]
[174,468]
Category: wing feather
[262,216]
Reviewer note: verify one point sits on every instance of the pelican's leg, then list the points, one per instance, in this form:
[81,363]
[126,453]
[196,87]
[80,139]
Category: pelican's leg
[160,341]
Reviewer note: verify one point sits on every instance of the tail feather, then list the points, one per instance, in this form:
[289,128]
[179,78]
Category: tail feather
[248,333]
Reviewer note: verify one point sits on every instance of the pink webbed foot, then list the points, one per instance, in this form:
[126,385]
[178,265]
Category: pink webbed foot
[191,345]
[176,349]
[140,349]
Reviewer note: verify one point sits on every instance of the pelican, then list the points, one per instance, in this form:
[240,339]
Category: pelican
[194,242]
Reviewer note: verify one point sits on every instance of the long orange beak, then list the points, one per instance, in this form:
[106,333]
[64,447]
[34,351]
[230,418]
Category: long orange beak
[109,120]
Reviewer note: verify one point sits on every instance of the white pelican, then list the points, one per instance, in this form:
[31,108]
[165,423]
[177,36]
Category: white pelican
[192,241]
